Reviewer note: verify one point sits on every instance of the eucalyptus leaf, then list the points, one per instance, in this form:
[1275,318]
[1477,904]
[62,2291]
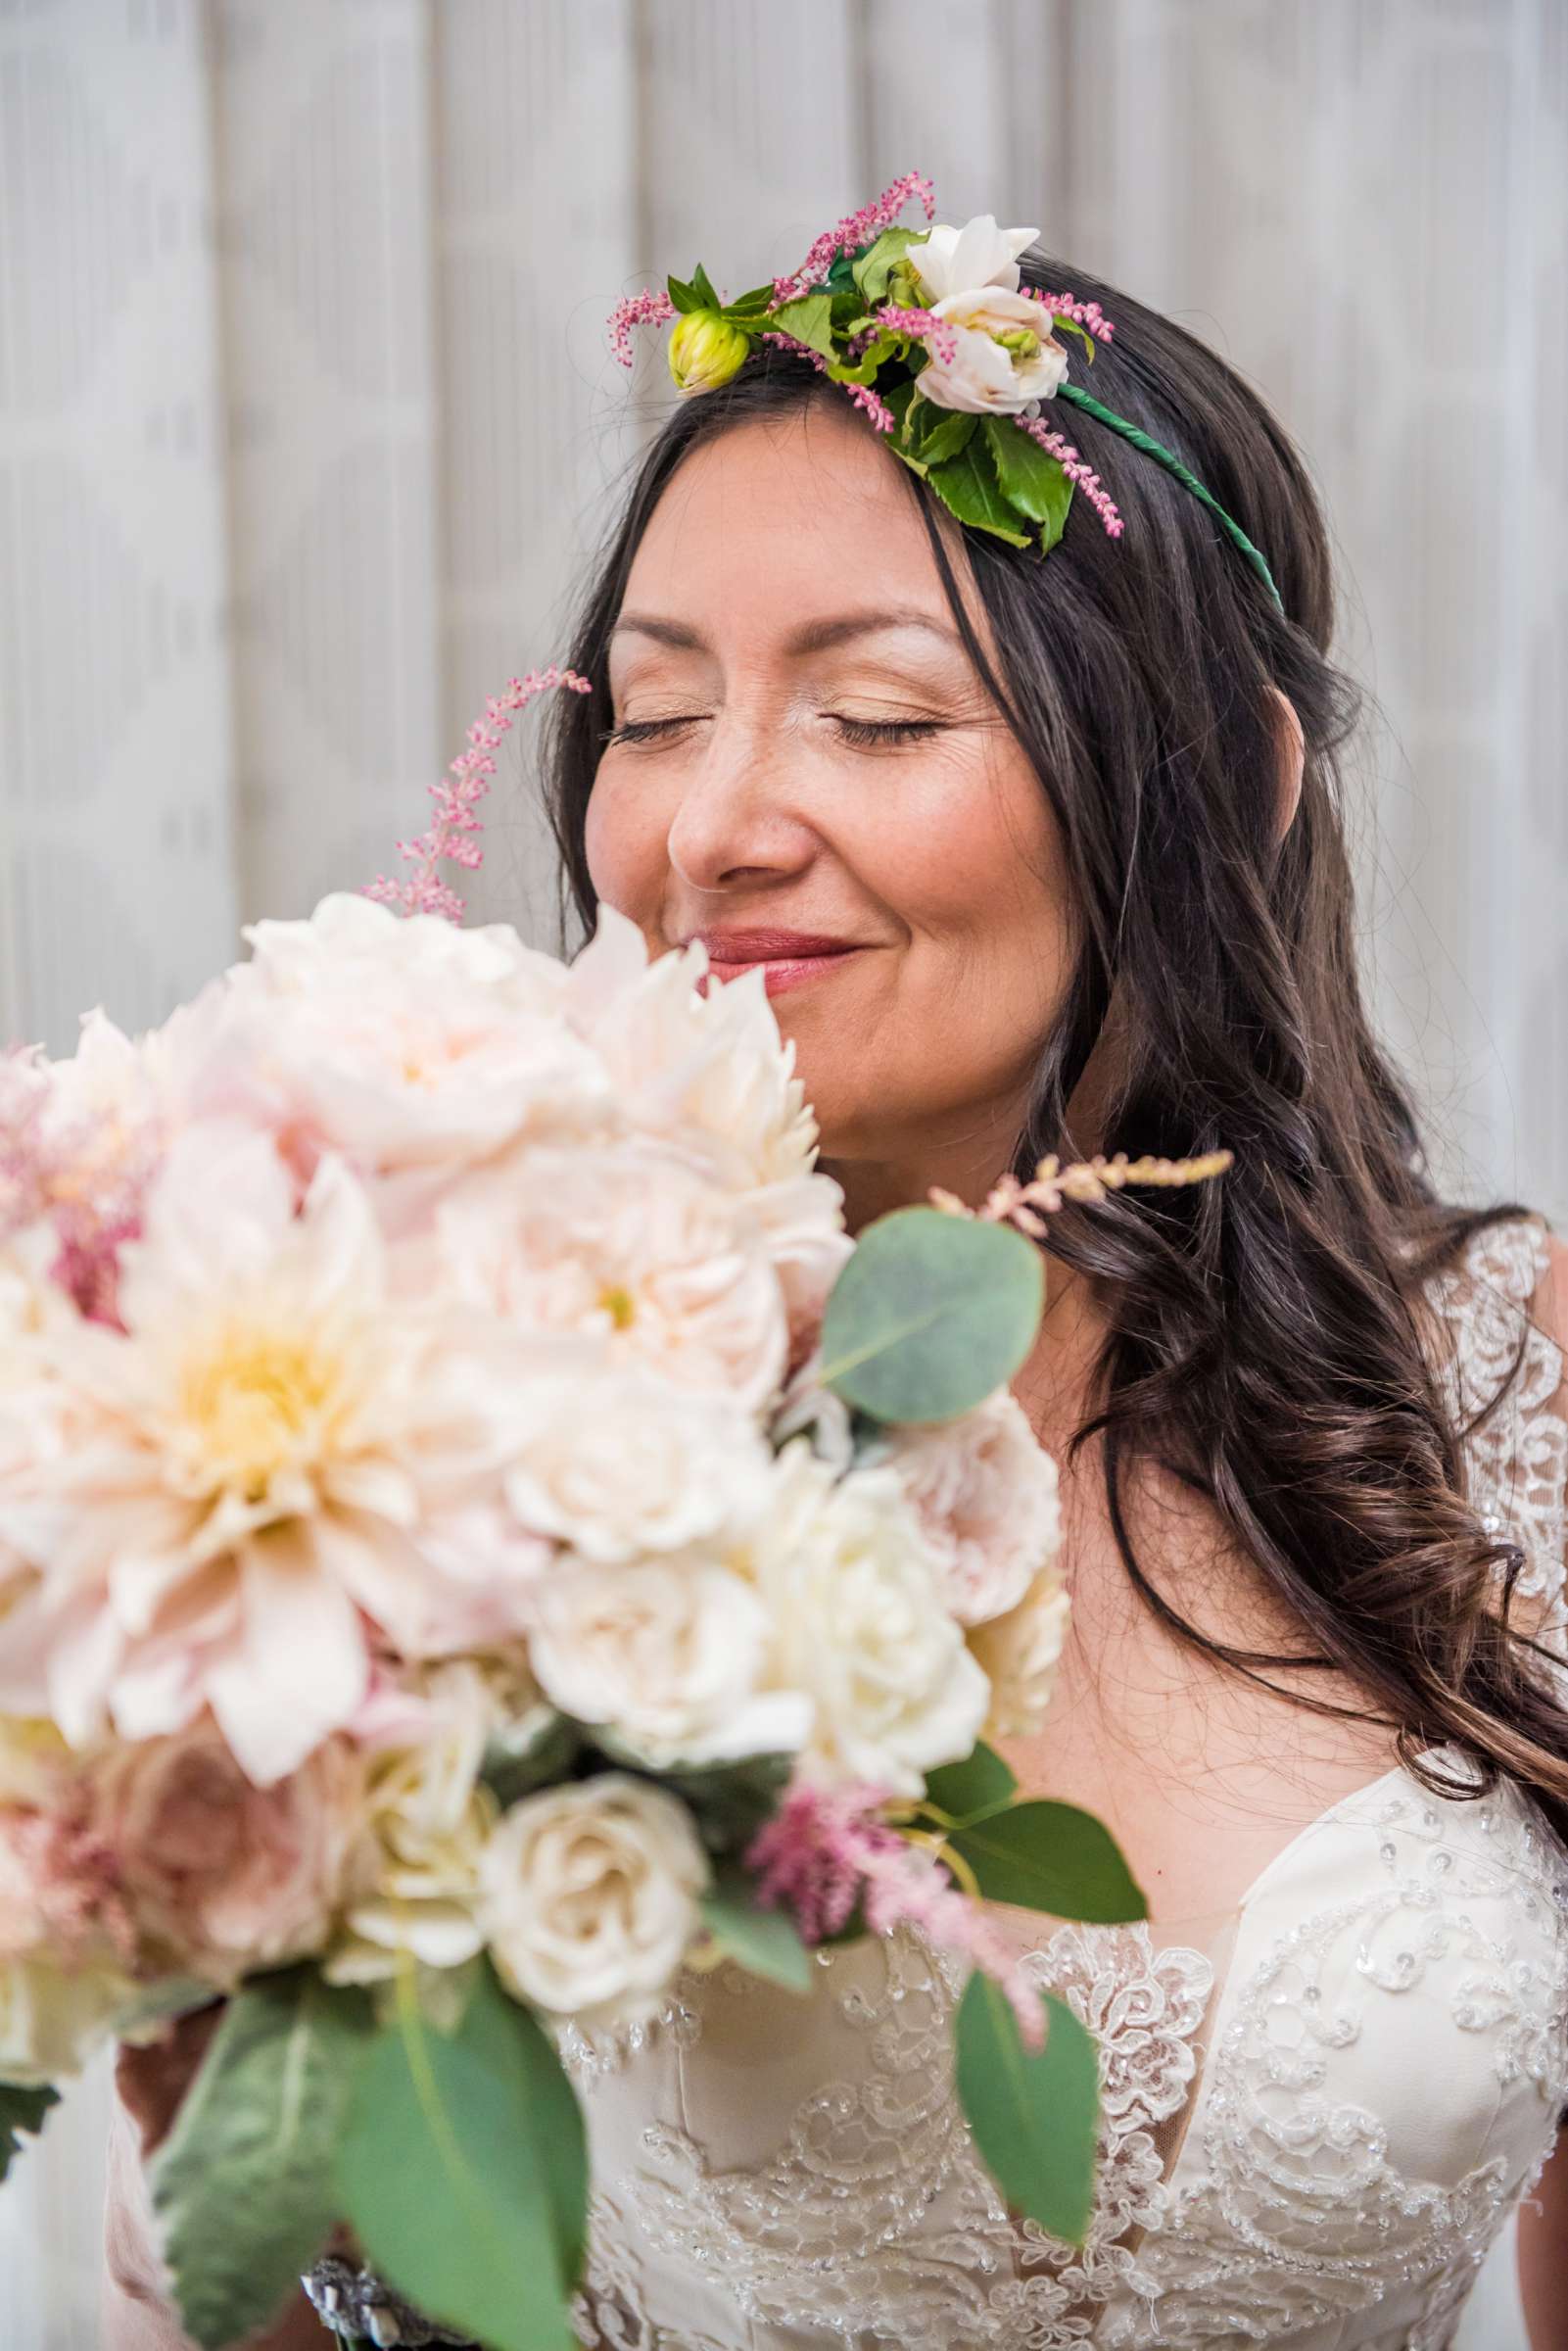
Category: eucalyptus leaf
[1032,480]
[447,2172]
[930,1315]
[243,2183]
[22,2108]
[1036,2113]
[510,2038]
[968,485]
[810,320]
[1051,1858]
[765,1942]
[981,1783]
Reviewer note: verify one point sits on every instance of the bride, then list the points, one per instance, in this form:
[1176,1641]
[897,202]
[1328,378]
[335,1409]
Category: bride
[1041,853]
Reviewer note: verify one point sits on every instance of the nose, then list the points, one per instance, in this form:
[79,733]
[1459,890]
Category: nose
[736,819]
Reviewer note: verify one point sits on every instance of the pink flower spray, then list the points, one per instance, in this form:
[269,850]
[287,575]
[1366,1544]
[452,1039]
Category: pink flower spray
[826,1849]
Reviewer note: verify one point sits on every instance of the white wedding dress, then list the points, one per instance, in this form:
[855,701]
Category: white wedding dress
[1313,2131]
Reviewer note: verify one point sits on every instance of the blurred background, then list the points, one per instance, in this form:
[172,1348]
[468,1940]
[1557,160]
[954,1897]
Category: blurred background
[307,425]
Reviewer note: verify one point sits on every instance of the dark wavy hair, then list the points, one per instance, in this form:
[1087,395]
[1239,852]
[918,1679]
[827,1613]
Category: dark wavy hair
[1265,1341]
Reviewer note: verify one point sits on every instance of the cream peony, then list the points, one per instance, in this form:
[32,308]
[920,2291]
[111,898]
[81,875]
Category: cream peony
[590,1898]
[1019,1652]
[258,1452]
[410,1045]
[669,1656]
[984,1489]
[620,1463]
[630,1242]
[427,1819]
[856,1599]
[710,1074]
[957,261]
[219,1876]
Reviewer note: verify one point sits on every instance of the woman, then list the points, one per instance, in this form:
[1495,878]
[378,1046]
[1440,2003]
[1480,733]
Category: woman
[1047,854]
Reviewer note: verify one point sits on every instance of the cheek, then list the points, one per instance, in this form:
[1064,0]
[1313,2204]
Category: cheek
[624,837]
[975,874]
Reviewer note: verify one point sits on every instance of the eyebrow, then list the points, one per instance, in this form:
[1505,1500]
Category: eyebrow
[811,636]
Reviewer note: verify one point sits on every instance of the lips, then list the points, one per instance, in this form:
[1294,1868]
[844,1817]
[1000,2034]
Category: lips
[787,958]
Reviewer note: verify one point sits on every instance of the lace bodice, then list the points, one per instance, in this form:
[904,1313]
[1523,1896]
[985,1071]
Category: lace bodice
[1310,2132]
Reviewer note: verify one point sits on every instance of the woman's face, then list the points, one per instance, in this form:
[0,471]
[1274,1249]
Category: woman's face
[805,756]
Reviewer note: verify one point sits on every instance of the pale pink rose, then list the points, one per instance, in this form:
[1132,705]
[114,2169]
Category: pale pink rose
[984,1489]
[221,1876]
[955,261]
[630,1243]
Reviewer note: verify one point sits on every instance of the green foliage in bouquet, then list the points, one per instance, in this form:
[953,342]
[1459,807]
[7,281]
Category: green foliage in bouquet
[23,2109]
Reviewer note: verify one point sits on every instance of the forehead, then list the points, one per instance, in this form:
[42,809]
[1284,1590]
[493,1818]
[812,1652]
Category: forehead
[783,520]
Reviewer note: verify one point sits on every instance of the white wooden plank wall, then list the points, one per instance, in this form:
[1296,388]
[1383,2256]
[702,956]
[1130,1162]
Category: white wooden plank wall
[307,425]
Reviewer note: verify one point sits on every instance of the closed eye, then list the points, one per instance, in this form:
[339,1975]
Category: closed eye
[864,733]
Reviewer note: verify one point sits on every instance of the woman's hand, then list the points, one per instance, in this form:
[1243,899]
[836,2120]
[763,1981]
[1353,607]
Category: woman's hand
[152,2080]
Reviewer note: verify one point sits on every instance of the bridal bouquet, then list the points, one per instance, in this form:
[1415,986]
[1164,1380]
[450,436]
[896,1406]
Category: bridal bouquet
[476,1537]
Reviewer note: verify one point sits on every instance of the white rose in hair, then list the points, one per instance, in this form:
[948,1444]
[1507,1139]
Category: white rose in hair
[669,1654]
[619,1464]
[984,1489]
[955,260]
[1019,1652]
[590,1898]
[856,1596]
[1006,354]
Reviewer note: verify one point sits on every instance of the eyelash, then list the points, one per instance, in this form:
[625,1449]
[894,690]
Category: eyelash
[864,733]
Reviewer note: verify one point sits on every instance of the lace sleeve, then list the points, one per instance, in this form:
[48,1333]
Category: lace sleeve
[1505,1308]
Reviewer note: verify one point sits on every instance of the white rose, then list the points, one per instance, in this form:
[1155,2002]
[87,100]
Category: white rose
[1019,1652]
[667,1654]
[983,376]
[590,1898]
[984,1489]
[616,1463]
[861,1625]
[955,260]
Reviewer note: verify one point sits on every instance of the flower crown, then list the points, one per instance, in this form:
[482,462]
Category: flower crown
[932,337]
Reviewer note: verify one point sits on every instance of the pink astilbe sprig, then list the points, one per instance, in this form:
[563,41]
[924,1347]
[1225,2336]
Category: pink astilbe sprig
[1076,468]
[870,403]
[1068,305]
[939,335]
[853,231]
[650,307]
[1012,1202]
[457,797]
[828,1848]
[86,1176]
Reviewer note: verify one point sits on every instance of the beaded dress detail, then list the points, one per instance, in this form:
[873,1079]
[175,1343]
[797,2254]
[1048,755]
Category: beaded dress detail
[1311,2136]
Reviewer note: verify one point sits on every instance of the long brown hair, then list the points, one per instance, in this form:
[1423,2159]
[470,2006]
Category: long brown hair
[1264,1334]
